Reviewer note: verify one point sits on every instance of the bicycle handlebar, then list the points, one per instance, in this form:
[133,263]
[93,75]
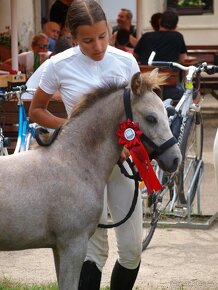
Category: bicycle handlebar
[5,95]
[169,64]
[203,67]
[211,69]
[21,88]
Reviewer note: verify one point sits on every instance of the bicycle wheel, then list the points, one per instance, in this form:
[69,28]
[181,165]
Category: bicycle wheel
[4,143]
[191,150]
[150,218]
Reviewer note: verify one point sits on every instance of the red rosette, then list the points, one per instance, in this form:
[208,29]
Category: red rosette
[129,136]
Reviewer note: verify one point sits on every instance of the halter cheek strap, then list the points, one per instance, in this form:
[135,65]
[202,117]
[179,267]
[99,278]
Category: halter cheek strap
[127,104]
[157,150]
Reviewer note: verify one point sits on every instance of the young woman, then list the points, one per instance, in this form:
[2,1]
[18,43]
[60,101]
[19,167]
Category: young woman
[74,72]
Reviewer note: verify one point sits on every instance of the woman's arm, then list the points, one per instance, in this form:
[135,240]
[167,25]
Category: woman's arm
[7,66]
[38,111]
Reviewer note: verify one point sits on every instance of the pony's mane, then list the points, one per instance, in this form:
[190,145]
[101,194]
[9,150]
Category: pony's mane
[90,98]
[150,81]
[154,81]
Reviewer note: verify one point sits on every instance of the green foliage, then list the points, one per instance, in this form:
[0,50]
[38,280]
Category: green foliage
[187,3]
[9,285]
[6,284]
[5,37]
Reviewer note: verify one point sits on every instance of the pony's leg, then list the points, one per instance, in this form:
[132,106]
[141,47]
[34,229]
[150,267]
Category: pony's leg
[71,254]
[97,252]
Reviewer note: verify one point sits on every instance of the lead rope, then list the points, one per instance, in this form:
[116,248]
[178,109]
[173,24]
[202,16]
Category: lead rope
[136,178]
[135,174]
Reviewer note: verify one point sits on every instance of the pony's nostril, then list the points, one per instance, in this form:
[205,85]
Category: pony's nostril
[174,165]
[176,162]
[167,167]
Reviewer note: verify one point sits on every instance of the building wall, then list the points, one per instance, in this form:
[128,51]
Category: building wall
[200,29]
[25,20]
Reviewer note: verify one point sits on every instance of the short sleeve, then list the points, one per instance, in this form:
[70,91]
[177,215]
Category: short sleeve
[49,81]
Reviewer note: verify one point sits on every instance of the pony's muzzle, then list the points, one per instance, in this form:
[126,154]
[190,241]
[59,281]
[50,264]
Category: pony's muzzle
[169,164]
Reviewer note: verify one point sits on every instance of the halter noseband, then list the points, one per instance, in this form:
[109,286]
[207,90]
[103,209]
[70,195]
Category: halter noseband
[157,150]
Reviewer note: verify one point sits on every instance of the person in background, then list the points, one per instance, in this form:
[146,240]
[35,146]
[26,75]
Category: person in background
[74,72]
[124,21]
[155,21]
[62,44]
[168,44]
[52,30]
[30,60]
[122,40]
[58,12]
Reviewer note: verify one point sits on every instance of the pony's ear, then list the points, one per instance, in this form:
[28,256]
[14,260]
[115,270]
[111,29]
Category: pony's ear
[154,74]
[157,78]
[136,84]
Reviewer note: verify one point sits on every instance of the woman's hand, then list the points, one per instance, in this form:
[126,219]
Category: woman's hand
[124,154]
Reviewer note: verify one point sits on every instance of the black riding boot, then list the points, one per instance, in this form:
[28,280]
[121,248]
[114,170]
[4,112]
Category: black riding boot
[90,277]
[123,278]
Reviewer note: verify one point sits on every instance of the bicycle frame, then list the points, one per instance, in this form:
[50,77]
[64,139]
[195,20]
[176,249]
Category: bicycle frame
[3,149]
[25,129]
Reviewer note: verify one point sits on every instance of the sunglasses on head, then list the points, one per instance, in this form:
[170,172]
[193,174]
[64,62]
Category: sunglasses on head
[43,46]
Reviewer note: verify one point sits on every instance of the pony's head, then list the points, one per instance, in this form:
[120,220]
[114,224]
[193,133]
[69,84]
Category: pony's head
[148,109]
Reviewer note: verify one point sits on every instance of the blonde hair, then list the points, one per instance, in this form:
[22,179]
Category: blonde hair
[37,37]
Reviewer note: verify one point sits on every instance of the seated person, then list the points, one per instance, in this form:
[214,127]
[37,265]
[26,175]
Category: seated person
[168,44]
[30,60]
[124,21]
[62,44]
[58,12]
[155,21]
[122,40]
[52,30]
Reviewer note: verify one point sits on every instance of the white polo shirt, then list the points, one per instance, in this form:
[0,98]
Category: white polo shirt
[73,73]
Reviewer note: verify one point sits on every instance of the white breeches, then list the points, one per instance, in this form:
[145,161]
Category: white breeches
[118,199]
[215,157]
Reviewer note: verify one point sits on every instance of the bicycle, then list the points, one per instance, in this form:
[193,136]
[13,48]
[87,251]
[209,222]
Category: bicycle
[179,189]
[25,128]
[4,141]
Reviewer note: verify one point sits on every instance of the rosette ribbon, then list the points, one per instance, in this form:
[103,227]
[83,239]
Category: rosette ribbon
[129,136]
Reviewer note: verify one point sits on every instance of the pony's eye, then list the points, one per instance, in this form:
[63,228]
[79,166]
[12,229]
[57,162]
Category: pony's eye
[151,119]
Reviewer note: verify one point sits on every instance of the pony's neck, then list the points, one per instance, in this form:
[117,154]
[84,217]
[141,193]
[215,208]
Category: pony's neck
[91,136]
